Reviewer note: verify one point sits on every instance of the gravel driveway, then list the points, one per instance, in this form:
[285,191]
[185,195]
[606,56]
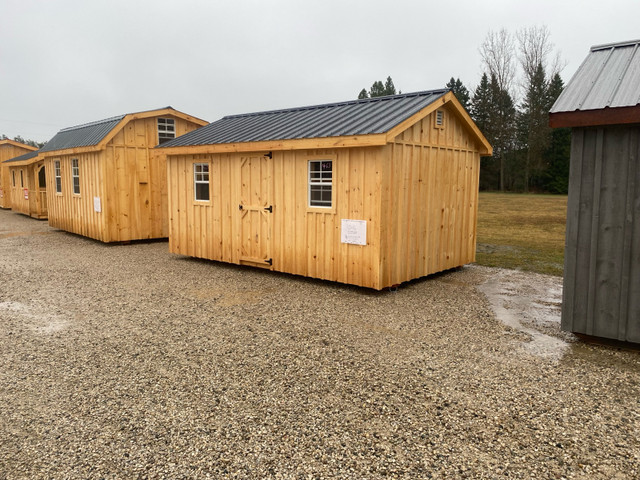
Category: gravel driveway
[124,361]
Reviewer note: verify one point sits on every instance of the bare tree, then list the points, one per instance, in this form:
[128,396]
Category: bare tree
[536,48]
[498,54]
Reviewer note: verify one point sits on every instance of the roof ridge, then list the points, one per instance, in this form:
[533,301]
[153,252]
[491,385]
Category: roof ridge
[339,104]
[628,43]
[93,124]
[111,119]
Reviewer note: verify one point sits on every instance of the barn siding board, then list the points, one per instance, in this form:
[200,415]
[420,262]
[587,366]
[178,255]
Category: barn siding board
[9,149]
[602,275]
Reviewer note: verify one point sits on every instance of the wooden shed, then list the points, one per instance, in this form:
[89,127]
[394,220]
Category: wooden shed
[101,180]
[28,185]
[9,149]
[601,104]
[369,192]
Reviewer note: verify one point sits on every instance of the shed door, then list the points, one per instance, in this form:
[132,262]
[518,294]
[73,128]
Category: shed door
[255,210]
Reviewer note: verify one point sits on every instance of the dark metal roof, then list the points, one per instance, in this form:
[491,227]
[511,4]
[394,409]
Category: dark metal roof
[608,77]
[356,117]
[24,156]
[85,135]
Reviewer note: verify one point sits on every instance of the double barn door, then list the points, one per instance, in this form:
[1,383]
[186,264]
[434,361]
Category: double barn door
[256,210]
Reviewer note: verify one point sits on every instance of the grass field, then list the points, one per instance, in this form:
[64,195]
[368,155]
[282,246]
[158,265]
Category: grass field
[521,231]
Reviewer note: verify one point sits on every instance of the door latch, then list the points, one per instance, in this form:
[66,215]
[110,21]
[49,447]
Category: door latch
[240,207]
[269,208]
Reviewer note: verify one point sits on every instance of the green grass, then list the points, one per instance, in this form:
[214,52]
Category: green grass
[522,231]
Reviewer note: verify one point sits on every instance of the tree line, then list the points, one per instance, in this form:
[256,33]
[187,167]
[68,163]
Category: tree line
[510,105]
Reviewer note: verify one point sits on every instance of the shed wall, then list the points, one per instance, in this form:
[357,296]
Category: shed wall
[602,257]
[35,205]
[18,202]
[303,241]
[7,152]
[71,212]
[430,200]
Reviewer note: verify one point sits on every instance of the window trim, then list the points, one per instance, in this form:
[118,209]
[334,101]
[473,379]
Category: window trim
[319,208]
[164,131]
[57,176]
[197,182]
[75,173]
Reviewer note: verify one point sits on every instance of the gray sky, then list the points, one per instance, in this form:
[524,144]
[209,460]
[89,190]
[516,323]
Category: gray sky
[66,62]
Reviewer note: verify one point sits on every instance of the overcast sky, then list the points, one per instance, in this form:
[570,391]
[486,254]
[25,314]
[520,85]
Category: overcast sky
[67,62]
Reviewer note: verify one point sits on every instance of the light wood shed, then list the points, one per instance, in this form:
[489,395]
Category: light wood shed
[102,181]
[9,149]
[601,104]
[369,192]
[28,185]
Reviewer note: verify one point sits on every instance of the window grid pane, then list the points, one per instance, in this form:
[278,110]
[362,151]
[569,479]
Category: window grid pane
[320,183]
[56,167]
[166,130]
[75,175]
[201,182]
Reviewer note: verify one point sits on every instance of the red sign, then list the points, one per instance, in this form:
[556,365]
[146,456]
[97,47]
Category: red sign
[26,194]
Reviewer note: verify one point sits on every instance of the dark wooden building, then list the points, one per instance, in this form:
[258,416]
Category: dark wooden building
[601,104]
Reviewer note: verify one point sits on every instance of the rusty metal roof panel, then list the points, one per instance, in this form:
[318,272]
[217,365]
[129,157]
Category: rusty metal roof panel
[356,117]
[608,78]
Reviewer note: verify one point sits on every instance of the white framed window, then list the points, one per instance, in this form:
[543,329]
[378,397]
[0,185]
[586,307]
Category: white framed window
[58,176]
[75,175]
[321,183]
[201,182]
[166,130]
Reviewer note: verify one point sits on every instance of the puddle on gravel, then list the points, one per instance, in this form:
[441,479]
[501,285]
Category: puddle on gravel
[519,299]
[42,323]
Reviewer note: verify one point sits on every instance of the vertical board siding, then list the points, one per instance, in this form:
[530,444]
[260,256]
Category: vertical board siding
[602,258]
[430,201]
[7,152]
[303,241]
[129,178]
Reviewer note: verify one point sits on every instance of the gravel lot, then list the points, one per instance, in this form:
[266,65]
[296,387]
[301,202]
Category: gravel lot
[124,361]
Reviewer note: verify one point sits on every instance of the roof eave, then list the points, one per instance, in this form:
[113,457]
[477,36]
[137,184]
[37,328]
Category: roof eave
[23,163]
[592,118]
[7,141]
[372,140]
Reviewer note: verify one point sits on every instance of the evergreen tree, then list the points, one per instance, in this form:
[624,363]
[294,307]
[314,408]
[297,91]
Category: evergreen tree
[460,91]
[493,111]
[556,178]
[534,132]
[377,90]
[389,87]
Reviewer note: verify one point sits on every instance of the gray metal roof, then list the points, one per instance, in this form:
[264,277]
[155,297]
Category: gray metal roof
[608,77]
[85,135]
[356,117]
[24,156]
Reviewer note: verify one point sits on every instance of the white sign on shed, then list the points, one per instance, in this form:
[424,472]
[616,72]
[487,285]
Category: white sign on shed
[354,232]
